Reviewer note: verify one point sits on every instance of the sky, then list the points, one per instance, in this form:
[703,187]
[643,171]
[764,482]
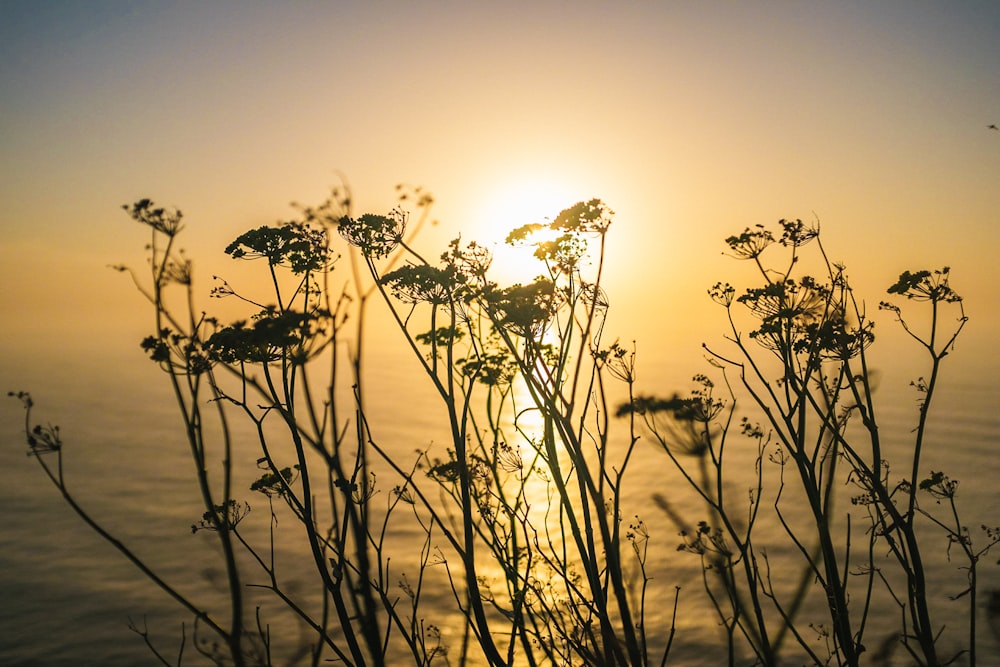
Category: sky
[691,120]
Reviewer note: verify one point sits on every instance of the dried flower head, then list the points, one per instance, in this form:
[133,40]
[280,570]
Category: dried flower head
[165,221]
[299,246]
[751,243]
[376,235]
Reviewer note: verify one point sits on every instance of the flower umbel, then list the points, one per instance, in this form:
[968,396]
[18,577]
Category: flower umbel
[925,286]
[301,247]
[751,243]
[162,220]
[376,235]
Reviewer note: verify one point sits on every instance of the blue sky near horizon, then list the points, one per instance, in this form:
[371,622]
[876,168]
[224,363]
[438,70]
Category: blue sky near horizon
[691,120]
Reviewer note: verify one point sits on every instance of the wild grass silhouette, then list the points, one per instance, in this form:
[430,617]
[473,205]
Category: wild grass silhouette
[523,517]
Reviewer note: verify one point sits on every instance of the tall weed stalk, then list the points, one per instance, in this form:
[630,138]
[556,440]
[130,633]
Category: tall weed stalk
[519,513]
[798,345]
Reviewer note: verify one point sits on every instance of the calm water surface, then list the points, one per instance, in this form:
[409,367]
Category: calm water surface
[68,596]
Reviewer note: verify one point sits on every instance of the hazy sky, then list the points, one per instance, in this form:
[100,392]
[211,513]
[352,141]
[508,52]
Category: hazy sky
[691,120]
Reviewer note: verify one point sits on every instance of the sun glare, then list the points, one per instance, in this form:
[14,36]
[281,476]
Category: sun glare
[514,203]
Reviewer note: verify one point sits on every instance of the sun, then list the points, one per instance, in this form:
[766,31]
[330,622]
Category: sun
[511,203]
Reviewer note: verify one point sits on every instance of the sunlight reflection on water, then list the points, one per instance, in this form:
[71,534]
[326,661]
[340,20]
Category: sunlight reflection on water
[68,596]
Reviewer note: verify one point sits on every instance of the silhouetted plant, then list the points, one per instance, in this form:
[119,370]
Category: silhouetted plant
[809,376]
[520,514]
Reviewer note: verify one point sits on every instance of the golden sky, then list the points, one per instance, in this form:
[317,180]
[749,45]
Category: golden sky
[691,120]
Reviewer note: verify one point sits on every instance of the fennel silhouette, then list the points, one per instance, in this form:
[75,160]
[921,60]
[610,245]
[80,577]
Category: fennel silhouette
[521,518]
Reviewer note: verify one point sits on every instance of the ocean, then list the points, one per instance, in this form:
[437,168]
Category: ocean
[69,598]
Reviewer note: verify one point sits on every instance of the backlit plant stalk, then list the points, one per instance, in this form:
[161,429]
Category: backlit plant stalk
[811,382]
[547,333]
[178,348]
[523,511]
